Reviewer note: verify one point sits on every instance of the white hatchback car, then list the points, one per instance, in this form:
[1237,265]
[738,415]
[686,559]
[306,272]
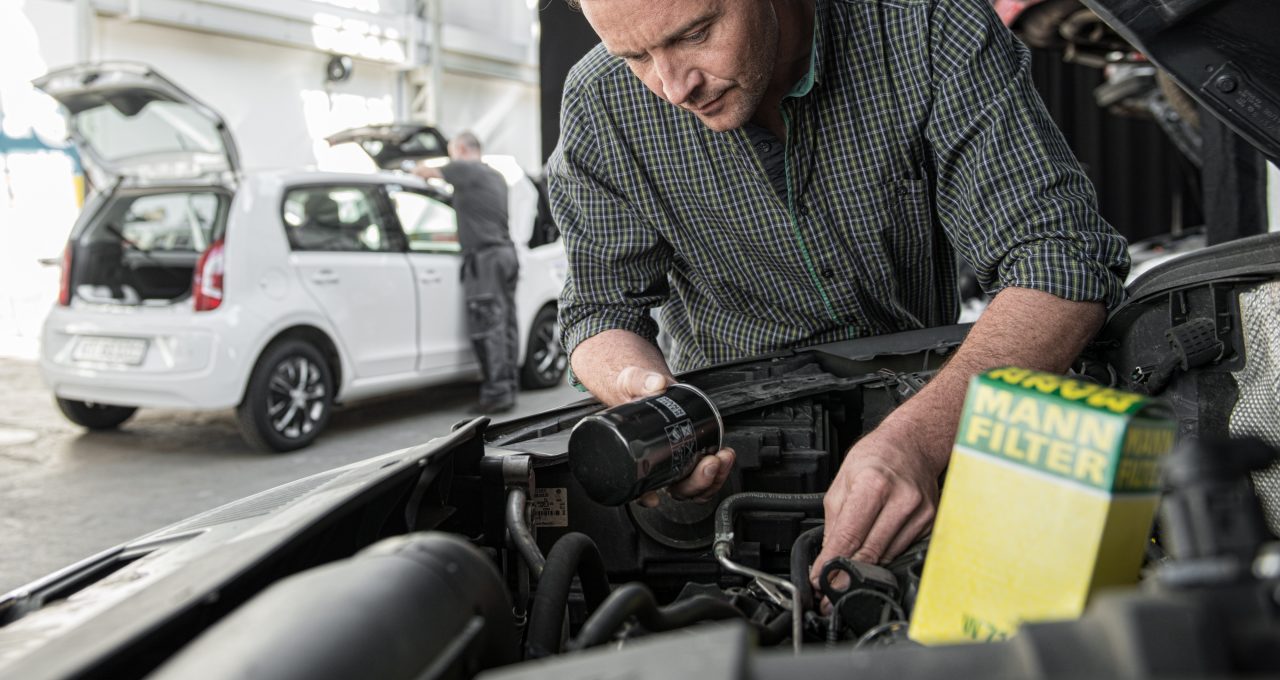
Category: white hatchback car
[190,284]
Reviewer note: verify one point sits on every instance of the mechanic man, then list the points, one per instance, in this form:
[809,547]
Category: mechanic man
[777,173]
[489,267]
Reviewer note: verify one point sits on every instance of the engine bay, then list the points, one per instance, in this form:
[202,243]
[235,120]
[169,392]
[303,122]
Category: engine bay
[789,429]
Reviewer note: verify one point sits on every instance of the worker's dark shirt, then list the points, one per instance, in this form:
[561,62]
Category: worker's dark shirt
[916,133]
[480,201]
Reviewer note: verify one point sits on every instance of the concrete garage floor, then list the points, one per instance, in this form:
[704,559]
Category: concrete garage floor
[66,493]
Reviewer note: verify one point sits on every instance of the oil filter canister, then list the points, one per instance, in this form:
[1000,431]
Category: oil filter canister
[619,454]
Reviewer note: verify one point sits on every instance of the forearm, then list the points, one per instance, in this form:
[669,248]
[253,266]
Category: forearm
[598,360]
[427,172]
[1021,327]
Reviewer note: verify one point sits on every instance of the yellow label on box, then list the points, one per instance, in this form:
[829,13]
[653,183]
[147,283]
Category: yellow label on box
[1050,495]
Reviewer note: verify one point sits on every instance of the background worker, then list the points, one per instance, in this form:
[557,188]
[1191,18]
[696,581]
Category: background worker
[777,173]
[489,267]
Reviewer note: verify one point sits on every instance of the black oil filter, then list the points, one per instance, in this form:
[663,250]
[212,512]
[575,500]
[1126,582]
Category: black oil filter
[620,453]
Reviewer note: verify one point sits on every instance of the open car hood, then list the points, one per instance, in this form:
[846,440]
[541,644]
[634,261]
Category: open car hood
[1222,52]
[390,145]
[134,123]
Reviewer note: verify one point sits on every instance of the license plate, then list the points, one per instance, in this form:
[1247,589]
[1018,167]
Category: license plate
[110,350]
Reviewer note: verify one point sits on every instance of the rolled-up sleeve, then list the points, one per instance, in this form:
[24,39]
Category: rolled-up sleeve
[1011,196]
[618,263]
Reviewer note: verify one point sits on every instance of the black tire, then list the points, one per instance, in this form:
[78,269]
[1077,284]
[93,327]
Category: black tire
[289,397]
[95,416]
[544,358]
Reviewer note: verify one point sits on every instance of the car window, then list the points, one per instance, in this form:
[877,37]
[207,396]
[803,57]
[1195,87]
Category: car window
[422,143]
[119,134]
[429,225]
[343,219]
[172,222]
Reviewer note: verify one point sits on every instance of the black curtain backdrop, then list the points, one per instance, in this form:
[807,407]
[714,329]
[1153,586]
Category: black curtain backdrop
[566,36]
[1145,186]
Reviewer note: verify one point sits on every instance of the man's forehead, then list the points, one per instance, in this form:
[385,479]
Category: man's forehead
[627,26]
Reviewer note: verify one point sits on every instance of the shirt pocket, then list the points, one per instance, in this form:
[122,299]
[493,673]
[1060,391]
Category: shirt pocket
[907,236]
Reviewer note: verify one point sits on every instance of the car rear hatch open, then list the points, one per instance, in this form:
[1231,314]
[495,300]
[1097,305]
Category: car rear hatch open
[391,146]
[138,126]
[172,163]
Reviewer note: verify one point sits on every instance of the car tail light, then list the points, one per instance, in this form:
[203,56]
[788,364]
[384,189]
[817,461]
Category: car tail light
[64,280]
[208,279]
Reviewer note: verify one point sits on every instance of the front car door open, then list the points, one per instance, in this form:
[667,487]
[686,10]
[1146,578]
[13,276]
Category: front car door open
[431,232]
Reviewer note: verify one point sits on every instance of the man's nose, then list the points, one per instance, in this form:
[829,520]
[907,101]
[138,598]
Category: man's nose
[678,80]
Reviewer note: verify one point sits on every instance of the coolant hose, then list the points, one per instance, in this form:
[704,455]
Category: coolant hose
[521,534]
[800,552]
[573,554]
[635,599]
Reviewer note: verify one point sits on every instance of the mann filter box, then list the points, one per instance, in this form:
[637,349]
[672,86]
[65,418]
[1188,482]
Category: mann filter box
[1049,496]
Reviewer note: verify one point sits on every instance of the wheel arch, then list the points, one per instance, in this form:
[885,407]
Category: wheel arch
[316,336]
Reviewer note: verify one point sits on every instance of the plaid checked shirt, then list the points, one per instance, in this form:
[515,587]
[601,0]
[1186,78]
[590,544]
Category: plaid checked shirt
[916,133]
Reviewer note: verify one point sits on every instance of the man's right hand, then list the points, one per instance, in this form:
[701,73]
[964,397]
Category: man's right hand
[619,366]
[710,473]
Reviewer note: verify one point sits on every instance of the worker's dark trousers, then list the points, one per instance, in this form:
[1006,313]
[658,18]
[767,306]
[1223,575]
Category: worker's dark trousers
[489,284]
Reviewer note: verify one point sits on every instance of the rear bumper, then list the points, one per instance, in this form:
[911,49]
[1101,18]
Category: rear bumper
[191,361]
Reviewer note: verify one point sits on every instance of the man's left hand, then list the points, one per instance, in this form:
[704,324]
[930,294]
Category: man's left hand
[886,492]
[883,498]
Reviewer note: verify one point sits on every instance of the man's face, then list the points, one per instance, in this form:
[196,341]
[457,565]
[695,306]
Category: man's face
[714,58]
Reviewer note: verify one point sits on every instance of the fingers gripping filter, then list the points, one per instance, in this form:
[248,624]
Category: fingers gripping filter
[621,453]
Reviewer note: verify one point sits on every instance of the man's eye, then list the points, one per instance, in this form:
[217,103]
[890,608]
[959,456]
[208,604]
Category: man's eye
[637,58]
[696,37]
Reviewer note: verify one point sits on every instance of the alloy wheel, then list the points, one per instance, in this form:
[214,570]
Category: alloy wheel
[296,397]
[548,358]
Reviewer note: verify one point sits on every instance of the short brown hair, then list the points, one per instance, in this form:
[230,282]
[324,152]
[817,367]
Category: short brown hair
[468,139]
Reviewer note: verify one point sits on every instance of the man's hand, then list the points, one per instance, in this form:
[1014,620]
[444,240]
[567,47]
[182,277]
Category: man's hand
[710,473]
[884,496]
[427,172]
[619,366]
[885,493]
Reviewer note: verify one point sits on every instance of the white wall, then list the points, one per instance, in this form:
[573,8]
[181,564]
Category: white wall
[503,114]
[274,99]
[494,18]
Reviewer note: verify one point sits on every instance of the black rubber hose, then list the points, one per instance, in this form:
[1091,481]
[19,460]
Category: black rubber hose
[635,599]
[742,502]
[775,631]
[800,556]
[573,554]
[521,534]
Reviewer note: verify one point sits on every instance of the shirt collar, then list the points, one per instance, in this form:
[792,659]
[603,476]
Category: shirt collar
[811,77]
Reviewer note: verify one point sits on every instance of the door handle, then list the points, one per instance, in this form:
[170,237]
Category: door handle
[430,276]
[324,277]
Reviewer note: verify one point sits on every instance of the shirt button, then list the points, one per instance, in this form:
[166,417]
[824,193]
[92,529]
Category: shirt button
[828,273]
[764,147]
